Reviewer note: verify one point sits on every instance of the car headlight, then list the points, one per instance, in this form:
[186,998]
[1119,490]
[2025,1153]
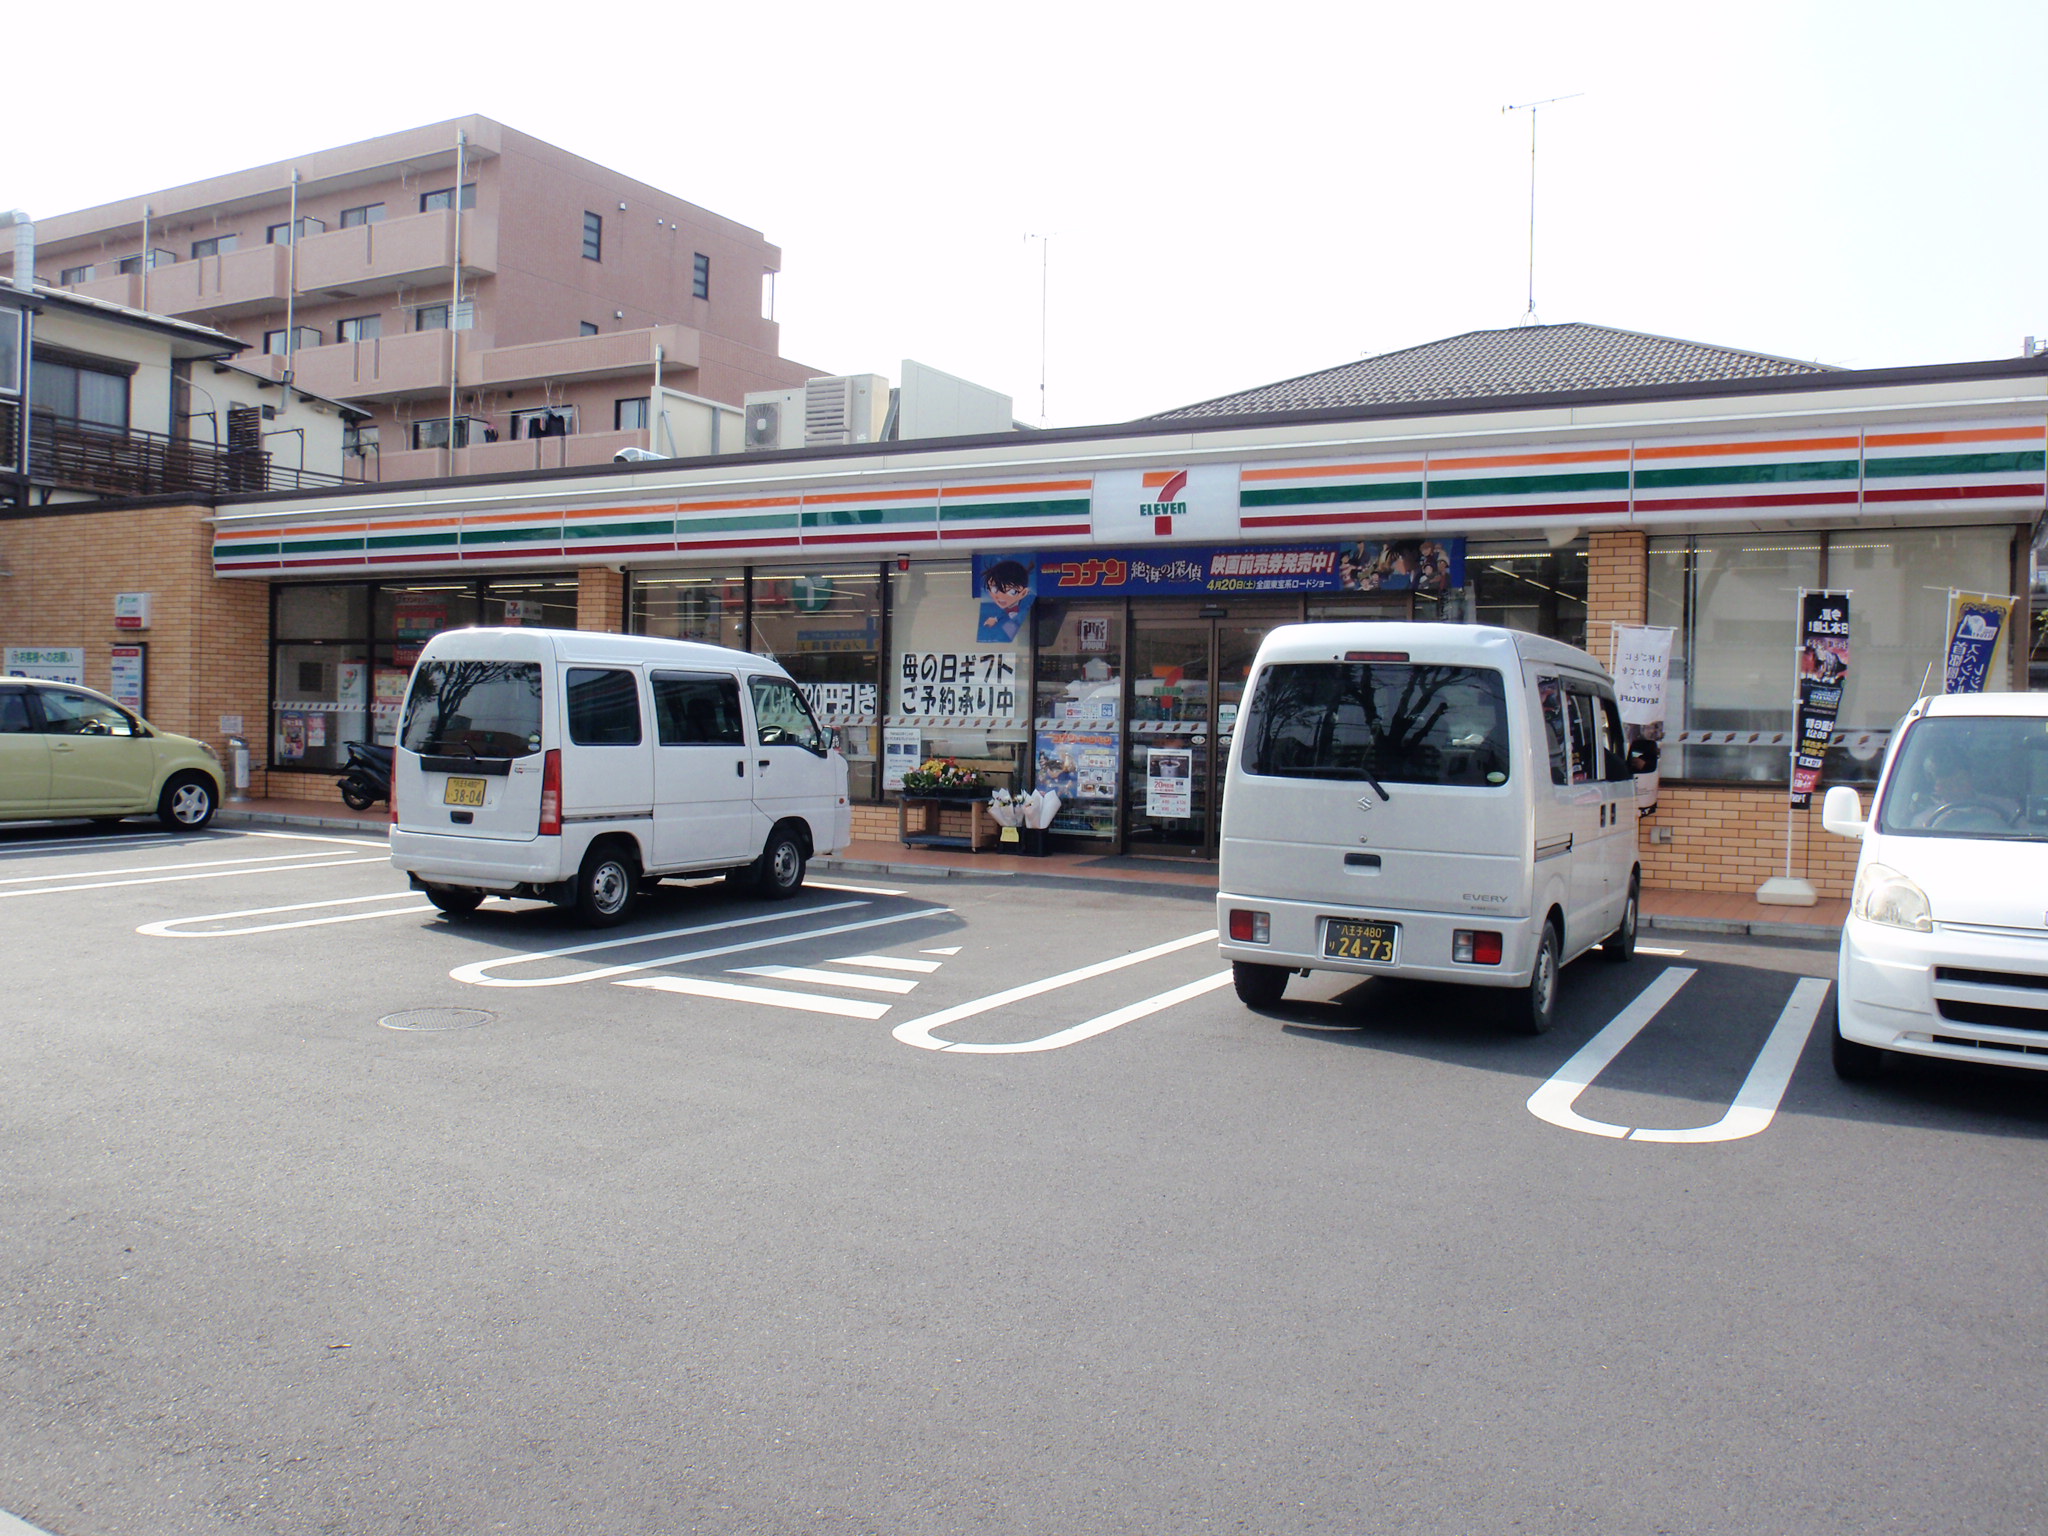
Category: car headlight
[1883,895]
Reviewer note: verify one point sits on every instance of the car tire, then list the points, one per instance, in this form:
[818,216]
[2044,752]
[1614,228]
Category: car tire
[606,886]
[455,900]
[779,872]
[1620,945]
[1534,1007]
[1258,986]
[1855,1062]
[358,796]
[187,803]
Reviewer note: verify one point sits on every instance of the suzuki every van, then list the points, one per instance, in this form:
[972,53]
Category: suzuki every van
[1446,802]
[580,768]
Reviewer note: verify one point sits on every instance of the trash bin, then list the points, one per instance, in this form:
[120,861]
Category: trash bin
[238,768]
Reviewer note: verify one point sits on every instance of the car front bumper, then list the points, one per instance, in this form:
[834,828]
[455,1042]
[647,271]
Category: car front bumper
[1962,994]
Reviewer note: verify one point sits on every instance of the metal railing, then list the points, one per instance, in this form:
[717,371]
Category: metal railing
[73,456]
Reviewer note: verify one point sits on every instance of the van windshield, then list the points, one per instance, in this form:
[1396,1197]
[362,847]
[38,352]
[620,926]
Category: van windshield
[1959,776]
[473,709]
[1400,723]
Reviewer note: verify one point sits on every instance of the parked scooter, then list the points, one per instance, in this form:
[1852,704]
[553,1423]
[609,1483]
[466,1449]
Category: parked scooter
[369,775]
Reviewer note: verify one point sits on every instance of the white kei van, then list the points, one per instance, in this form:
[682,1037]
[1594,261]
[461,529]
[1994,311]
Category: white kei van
[579,768]
[1441,801]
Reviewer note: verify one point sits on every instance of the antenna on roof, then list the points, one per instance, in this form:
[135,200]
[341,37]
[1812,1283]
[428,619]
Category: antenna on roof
[1531,108]
[1044,267]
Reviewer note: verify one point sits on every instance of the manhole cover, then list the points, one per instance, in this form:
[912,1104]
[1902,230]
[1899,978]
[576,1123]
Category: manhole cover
[437,1018]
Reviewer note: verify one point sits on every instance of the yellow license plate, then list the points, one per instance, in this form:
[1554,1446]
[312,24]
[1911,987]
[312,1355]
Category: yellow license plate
[1347,940]
[464,792]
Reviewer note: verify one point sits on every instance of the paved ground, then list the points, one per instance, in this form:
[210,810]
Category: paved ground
[930,1205]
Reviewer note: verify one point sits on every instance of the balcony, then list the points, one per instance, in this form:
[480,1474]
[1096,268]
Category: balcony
[251,282]
[619,354]
[384,369]
[415,251]
[67,456]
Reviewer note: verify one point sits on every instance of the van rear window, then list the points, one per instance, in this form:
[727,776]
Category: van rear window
[473,709]
[1400,723]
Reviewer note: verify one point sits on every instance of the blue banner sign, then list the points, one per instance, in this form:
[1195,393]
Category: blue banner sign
[1428,566]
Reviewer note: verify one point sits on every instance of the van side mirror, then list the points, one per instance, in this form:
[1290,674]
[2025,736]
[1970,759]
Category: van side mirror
[1841,812]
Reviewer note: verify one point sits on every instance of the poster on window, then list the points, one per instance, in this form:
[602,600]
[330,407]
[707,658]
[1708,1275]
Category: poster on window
[1642,679]
[1081,768]
[902,750]
[1975,622]
[1169,783]
[973,685]
[1823,671]
[291,738]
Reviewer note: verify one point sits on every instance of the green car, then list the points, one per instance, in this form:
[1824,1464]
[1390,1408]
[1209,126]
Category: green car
[69,751]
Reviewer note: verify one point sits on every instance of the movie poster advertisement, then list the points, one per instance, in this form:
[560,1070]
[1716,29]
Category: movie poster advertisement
[1822,674]
[1006,584]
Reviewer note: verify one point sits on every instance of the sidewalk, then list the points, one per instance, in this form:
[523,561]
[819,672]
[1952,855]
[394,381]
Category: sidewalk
[1696,912]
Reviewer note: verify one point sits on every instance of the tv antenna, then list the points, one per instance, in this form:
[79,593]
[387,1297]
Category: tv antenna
[1532,107]
[1044,265]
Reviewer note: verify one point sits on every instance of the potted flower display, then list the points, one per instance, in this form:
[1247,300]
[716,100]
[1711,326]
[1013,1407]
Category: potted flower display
[943,776]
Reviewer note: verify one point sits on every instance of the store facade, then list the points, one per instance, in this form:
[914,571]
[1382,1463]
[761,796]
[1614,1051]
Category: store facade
[1077,610]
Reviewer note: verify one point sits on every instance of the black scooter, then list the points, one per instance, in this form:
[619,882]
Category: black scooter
[369,776]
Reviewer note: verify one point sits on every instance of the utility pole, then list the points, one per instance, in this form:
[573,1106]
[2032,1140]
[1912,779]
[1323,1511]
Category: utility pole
[1044,266]
[1531,107]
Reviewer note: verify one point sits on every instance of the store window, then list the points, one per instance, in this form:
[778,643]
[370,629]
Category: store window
[824,626]
[957,687]
[1078,713]
[1526,584]
[1732,602]
[707,606]
[545,601]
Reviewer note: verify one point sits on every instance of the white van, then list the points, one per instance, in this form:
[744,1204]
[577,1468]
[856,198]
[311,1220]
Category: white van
[580,767]
[1441,801]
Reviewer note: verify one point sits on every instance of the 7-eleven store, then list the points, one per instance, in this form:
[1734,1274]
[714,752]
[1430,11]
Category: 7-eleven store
[1154,557]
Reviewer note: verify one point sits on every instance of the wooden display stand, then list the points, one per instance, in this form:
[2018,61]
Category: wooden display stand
[981,827]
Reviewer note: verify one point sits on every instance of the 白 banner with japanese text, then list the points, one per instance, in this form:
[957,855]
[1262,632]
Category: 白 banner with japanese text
[1642,673]
[1823,671]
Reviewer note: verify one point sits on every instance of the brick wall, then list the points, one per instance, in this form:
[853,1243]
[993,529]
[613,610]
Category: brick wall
[1617,586]
[1729,839]
[208,639]
[601,600]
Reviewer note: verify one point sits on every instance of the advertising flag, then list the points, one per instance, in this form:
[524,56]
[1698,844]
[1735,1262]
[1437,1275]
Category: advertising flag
[1823,671]
[1975,621]
[1642,674]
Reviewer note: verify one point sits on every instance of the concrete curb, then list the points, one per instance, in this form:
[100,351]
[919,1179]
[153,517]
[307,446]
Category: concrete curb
[1814,935]
[229,813]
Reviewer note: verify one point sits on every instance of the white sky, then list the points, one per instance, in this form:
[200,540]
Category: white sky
[1234,194]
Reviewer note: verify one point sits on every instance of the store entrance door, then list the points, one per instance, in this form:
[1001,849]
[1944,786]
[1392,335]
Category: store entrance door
[1188,666]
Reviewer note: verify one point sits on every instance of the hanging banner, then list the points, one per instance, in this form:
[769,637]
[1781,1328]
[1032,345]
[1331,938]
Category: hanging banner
[1823,671]
[1642,676]
[1975,621]
[1430,567]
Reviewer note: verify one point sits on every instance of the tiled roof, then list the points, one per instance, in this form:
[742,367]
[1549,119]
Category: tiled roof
[1527,360]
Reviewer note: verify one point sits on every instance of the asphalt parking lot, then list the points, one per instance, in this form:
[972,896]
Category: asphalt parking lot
[932,1206]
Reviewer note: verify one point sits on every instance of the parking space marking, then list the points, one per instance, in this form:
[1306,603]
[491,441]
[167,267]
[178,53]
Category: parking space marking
[1645,949]
[479,974]
[859,983]
[172,927]
[90,844]
[953,951]
[805,1002]
[1074,1034]
[1756,1101]
[858,890]
[339,842]
[889,962]
[151,869]
[918,1032]
[208,873]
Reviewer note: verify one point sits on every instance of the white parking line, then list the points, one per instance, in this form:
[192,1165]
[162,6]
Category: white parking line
[1101,1024]
[170,927]
[804,1002]
[1755,1104]
[216,874]
[858,890]
[479,973]
[889,963]
[918,1032]
[188,864]
[314,837]
[827,978]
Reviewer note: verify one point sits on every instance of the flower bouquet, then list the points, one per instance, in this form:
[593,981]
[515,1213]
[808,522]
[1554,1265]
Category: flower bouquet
[944,776]
[1018,814]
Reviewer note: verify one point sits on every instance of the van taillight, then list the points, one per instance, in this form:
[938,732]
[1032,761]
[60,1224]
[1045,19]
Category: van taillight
[393,796]
[1475,946]
[1250,927]
[551,794]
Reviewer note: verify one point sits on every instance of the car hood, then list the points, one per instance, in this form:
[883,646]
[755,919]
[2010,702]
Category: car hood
[1983,882]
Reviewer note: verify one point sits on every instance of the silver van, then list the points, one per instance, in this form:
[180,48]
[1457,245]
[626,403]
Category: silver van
[1440,801]
[579,768]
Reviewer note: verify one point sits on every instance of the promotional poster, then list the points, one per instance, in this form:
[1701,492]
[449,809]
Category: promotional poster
[1823,671]
[1007,583]
[1642,675]
[1975,622]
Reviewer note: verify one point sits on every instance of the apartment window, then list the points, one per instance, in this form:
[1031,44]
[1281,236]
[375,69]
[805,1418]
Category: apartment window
[434,433]
[158,258]
[358,438]
[630,415]
[444,199]
[434,317]
[700,277]
[369,213]
[281,234]
[10,354]
[71,277]
[545,421]
[586,328]
[361,328]
[593,237]
[278,343]
[218,245]
[79,393]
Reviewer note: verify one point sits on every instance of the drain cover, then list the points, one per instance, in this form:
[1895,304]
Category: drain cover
[437,1018]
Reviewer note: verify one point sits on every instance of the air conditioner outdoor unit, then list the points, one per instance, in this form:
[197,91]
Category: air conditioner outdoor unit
[774,419]
[851,408]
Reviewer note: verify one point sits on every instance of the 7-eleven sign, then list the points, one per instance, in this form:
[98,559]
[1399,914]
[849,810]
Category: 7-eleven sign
[1165,490]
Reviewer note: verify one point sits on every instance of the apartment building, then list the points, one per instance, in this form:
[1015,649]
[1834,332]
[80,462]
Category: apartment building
[493,303]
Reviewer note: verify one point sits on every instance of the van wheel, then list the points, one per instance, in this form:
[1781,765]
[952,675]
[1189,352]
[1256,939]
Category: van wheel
[1258,986]
[780,872]
[1535,1006]
[186,804]
[1621,944]
[455,900]
[605,887]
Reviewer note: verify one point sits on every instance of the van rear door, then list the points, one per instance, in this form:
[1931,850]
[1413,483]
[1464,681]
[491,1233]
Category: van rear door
[475,725]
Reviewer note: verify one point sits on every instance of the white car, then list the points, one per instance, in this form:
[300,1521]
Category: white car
[1945,952]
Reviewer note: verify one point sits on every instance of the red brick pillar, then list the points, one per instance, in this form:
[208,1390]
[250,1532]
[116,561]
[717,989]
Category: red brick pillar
[601,599]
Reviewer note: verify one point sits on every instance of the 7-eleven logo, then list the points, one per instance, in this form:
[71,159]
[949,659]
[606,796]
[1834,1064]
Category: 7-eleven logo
[1164,488]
